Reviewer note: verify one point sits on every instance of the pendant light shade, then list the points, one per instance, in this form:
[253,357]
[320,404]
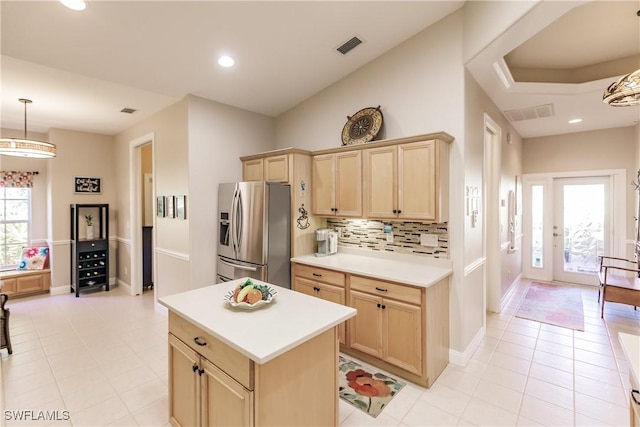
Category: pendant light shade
[625,91]
[24,147]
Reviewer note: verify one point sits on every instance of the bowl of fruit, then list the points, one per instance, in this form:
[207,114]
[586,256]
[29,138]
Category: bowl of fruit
[249,295]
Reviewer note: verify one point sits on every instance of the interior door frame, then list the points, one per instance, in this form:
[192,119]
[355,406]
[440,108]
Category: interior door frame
[618,199]
[135,211]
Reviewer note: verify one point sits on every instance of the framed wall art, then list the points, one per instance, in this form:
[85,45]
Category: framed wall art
[87,185]
[160,206]
[180,202]
[169,207]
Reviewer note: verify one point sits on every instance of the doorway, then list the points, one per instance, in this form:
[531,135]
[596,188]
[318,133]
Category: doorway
[581,228]
[571,218]
[137,208]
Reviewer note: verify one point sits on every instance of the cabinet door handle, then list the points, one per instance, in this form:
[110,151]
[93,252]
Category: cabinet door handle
[194,367]
[399,211]
[200,343]
[317,274]
[378,305]
[317,289]
[395,211]
[633,396]
[381,289]
[200,372]
[384,306]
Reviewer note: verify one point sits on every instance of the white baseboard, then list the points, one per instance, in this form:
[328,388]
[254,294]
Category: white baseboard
[507,296]
[462,358]
[59,290]
[124,285]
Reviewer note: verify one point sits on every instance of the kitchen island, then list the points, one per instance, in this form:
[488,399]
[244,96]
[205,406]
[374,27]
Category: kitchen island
[274,365]
[631,348]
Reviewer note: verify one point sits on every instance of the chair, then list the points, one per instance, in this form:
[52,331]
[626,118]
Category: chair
[5,339]
[616,285]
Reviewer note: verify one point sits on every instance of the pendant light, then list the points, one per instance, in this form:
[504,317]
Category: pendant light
[625,91]
[26,147]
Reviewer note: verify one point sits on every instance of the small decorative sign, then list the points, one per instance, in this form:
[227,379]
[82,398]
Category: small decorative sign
[85,185]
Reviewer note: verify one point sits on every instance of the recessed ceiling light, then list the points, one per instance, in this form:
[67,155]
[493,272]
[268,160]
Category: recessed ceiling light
[574,121]
[74,4]
[226,61]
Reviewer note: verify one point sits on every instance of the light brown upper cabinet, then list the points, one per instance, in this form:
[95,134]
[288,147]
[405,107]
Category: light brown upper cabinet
[407,181]
[253,170]
[337,184]
[273,168]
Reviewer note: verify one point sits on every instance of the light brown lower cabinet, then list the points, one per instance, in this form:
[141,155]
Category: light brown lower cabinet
[203,395]
[388,329]
[325,284]
[212,384]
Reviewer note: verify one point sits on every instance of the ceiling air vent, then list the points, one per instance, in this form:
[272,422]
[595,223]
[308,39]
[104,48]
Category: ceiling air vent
[128,110]
[348,45]
[529,113]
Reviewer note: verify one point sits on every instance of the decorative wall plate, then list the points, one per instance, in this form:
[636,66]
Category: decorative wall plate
[363,126]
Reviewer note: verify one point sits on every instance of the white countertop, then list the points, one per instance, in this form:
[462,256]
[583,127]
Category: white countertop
[263,334]
[408,269]
[631,347]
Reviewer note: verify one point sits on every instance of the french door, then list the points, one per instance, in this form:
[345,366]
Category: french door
[581,227]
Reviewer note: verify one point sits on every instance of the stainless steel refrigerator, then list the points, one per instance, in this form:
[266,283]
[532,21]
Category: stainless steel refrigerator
[254,232]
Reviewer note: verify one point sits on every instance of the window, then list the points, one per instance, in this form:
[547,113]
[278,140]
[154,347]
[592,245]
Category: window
[15,206]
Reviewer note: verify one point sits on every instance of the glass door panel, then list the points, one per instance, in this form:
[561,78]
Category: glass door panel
[581,228]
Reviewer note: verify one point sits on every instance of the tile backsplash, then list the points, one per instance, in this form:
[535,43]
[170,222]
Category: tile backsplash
[369,234]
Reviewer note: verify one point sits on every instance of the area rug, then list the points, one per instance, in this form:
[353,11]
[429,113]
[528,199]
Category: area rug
[364,388]
[553,304]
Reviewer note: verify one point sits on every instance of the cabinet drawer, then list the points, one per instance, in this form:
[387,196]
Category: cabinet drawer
[92,245]
[230,361]
[319,274]
[387,289]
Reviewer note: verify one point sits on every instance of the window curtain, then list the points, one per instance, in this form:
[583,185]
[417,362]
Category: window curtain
[17,179]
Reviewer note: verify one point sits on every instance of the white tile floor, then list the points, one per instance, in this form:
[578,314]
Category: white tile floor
[103,358]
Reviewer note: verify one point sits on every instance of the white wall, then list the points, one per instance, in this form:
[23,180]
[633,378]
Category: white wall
[420,88]
[171,165]
[218,136]
[197,145]
[78,154]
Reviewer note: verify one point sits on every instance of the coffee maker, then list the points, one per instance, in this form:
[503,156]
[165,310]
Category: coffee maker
[327,240]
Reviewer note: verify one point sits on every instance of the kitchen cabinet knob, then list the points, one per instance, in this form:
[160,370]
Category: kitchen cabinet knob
[317,289]
[399,211]
[395,211]
[384,306]
[194,367]
[378,305]
[200,372]
[200,343]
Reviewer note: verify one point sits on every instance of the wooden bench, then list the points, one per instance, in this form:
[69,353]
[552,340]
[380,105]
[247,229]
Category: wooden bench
[17,283]
[615,286]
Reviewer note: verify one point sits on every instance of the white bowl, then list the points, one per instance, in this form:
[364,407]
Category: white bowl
[245,305]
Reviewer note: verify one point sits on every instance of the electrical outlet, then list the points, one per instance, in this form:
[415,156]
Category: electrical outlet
[430,240]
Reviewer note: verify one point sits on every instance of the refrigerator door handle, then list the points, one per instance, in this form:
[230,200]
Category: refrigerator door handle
[240,267]
[233,221]
[240,216]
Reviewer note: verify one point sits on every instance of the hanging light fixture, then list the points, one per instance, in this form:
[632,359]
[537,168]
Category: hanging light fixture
[26,147]
[625,91]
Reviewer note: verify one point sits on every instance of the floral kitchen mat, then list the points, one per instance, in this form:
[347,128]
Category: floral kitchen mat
[364,388]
